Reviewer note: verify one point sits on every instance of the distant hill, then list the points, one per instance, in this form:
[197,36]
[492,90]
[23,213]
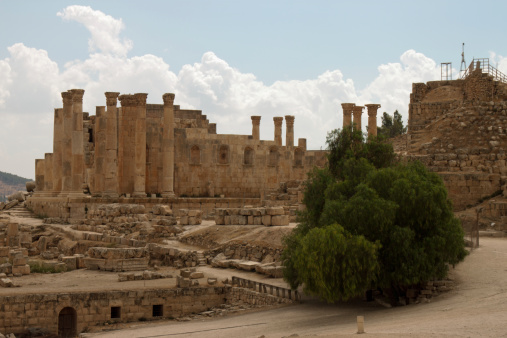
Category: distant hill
[10,183]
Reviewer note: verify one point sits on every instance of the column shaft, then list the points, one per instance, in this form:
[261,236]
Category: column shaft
[347,114]
[57,151]
[48,173]
[289,131]
[358,111]
[256,121]
[111,189]
[39,176]
[100,151]
[140,147]
[278,130]
[372,118]
[67,144]
[77,141]
[168,147]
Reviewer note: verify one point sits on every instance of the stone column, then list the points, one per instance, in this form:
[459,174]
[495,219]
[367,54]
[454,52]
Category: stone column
[57,151]
[256,121]
[39,176]
[372,118]
[358,111]
[100,152]
[77,141]
[347,114]
[289,130]
[111,189]
[140,147]
[302,143]
[67,144]
[48,173]
[168,146]
[278,130]
[127,117]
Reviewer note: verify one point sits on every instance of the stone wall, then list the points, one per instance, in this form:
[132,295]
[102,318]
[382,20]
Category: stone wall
[19,312]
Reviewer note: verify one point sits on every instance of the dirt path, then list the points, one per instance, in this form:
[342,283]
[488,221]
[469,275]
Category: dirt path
[477,307]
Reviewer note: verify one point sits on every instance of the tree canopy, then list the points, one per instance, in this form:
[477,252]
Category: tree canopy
[392,126]
[370,222]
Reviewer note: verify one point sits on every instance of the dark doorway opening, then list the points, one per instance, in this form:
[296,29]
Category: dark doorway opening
[67,322]
[158,310]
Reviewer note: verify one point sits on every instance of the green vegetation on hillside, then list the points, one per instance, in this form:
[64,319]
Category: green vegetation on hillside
[11,179]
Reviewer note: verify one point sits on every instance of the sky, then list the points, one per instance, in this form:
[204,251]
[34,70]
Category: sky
[230,59]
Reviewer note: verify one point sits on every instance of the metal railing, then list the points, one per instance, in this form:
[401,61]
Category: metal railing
[272,290]
[486,68]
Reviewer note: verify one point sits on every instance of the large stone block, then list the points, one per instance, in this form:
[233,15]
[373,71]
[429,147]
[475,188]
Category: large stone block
[266,220]
[22,269]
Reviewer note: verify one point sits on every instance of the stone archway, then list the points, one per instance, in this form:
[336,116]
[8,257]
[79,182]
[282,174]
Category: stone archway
[67,322]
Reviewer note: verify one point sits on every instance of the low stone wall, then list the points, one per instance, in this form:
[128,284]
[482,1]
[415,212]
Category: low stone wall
[117,259]
[179,258]
[252,216]
[20,312]
[76,209]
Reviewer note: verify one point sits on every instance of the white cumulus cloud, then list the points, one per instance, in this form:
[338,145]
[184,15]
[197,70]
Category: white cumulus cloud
[105,29]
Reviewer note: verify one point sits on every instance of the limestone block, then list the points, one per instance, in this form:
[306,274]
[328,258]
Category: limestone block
[275,211]
[196,275]
[70,262]
[185,273]
[80,261]
[250,220]
[184,220]
[19,261]
[212,281]
[22,269]
[257,220]
[182,282]
[4,251]
[248,266]
[12,229]
[280,220]
[242,220]
[6,283]
[266,220]
[219,219]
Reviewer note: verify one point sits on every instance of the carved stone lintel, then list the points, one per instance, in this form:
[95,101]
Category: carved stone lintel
[168,99]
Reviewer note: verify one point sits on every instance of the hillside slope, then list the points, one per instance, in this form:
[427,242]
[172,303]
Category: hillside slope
[10,183]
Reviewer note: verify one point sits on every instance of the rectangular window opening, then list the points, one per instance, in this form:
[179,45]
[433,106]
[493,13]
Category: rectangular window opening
[158,310]
[115,312]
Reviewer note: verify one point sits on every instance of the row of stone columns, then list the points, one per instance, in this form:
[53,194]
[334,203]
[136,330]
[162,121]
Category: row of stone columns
[278,120]
[120,148]
[350,109]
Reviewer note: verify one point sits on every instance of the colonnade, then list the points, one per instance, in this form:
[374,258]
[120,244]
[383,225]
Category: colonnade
[352,116]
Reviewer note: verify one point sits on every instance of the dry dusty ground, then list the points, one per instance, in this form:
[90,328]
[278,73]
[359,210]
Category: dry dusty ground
[477,307]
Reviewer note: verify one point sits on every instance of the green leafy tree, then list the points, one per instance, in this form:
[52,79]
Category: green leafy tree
[386,224]
[392,126]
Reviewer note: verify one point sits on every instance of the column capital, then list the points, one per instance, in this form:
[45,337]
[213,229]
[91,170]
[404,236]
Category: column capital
[358,109]
[168,99]
[255,119]
[141,99]
[289,119]
[372,108]
[111,98]
[348,106]
[67,97]
[278,120]
[77,95]
[127,100]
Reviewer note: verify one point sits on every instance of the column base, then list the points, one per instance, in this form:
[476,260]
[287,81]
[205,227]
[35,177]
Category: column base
[139,194]
[168,195]
[110,195]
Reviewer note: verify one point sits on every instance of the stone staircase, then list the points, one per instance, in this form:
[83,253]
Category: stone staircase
[201,259]
[21,211]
